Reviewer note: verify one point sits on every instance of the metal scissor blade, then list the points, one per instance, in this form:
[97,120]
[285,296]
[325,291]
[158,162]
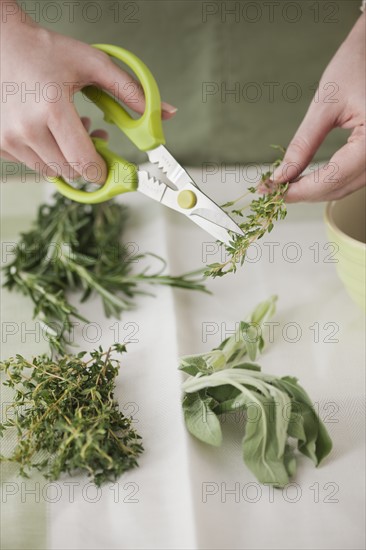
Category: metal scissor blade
[167,163]
[205,212]
[150,186]
[216,231]
[206,209]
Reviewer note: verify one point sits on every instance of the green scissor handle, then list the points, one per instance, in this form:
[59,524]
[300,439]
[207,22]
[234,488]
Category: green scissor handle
[121,178]
[145,132]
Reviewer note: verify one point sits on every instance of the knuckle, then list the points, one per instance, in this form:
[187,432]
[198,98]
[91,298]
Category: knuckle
[88,158]
[29,131]
[102,57]
[9,140]
[101,60]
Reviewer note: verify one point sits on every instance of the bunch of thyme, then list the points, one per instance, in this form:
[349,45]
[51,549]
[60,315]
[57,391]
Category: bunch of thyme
[263,212]
[66,418]
[73,247]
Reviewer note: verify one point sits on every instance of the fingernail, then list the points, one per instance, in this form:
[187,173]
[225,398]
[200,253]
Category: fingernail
[167,108]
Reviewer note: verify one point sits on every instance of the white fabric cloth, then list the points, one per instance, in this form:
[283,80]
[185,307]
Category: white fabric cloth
[186,495]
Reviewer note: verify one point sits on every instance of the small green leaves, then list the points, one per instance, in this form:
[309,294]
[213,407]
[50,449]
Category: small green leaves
[70,413]
[193,364]
[65,410]
[255,219]
[275,408]
[73,247]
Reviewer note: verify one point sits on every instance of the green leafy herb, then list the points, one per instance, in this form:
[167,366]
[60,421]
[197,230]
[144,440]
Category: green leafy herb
[66,417]
[78,247]
[276,409]
[263,212]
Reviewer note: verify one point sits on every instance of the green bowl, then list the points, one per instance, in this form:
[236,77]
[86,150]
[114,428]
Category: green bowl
[346,227]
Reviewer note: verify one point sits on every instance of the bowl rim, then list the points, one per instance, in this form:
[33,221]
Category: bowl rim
[331,223]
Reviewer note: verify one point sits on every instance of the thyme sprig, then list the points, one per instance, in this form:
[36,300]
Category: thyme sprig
[259,215]
[66,418]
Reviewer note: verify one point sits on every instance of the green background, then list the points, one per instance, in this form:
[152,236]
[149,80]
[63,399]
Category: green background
[253,47]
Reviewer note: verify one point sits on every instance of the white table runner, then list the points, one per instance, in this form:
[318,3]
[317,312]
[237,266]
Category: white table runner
[186,495]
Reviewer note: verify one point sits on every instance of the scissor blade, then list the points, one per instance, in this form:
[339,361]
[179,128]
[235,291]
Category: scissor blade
[206,213]
[167,163]
[206,209]
[150,186]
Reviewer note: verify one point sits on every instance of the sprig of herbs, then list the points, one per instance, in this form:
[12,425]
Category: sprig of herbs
[66,418]
[221,382]
[264,211]
[73,247]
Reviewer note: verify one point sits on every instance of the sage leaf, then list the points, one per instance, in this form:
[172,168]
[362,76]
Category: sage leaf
[200,419]
[193,364]
[317,443]
[263,453]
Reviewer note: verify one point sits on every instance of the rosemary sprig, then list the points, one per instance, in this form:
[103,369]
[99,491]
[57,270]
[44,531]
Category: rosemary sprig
[66,418]
[73,247]
[264,211]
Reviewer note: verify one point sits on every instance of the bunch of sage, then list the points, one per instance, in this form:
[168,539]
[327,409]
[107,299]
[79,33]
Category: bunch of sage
[222,382]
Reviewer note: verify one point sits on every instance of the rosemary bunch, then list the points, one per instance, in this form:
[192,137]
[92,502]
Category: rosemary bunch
[66,418]
[259,217]
[76,247]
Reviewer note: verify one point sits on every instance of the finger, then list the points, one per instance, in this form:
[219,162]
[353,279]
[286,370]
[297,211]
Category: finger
[131,93]
[9,172]
[104,73]
[344,174]
[48,150]
[86,123]
[7,156]
[76,144]
[314,128]
[26,155]
[167,110]
[102,134]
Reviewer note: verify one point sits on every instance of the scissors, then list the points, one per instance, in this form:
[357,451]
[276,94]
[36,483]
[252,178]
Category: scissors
[181,194]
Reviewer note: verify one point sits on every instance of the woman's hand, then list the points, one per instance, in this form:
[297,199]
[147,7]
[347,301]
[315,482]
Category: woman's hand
[346,170]
[40,73]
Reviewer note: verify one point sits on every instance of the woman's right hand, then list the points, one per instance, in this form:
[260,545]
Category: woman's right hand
[40,73]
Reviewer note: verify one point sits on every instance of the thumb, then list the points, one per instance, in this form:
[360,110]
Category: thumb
[307,140]
[124,87]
